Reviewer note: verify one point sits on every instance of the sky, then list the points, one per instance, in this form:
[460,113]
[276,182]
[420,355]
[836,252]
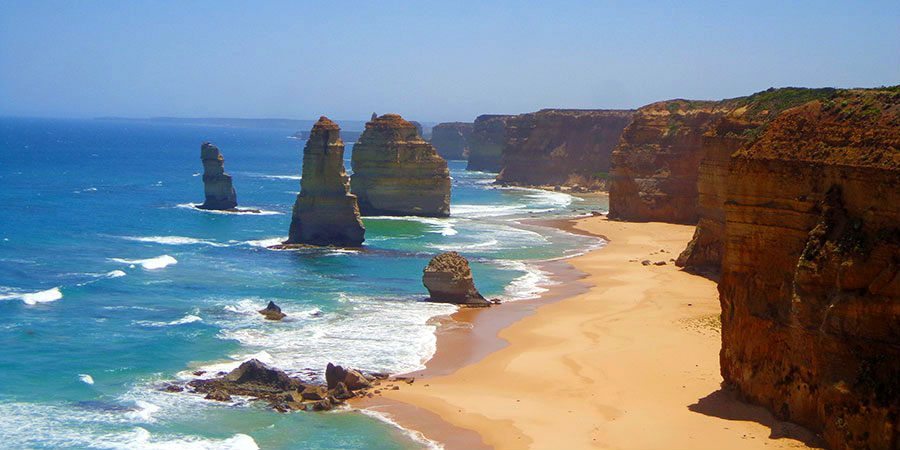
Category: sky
[429,61]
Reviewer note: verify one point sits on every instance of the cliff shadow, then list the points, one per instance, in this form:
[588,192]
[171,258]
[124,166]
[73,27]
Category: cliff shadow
[725,404]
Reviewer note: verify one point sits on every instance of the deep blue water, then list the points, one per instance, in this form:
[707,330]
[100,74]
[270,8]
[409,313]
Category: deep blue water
[111,284]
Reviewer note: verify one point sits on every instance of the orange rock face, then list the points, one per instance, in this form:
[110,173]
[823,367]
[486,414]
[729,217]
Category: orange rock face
[654,169]
[558,146]
[810,286]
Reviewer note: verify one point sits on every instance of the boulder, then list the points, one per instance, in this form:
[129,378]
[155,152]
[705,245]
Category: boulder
[334,375]
[341,392]
[217,187]
[325,212]
[448,279]
[397,173]
[272,312]
[219,396]
[255,372]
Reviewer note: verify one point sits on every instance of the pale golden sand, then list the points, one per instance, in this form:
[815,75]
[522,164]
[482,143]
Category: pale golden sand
[628,359]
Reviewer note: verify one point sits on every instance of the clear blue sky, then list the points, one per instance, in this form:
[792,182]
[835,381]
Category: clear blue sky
[431,61]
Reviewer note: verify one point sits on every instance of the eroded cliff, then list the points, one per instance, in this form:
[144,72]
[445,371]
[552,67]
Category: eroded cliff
[486,144]
[396,172]
[810,287]
[451,139]
[559,146]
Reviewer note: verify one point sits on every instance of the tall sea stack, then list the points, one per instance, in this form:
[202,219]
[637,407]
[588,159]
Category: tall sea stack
[217,185]
[325,213]
[397,173]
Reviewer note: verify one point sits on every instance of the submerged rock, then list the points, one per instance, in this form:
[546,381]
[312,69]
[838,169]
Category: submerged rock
[325,213]
[272,312]
[448,279]
[217,186]
[397,173]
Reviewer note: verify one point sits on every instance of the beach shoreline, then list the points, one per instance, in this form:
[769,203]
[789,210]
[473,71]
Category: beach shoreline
[581,366]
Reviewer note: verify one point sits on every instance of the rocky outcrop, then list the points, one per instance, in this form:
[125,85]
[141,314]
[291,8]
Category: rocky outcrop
[217,185]
[486,144]
[272,312]
[282,392]
[561,146]
[745,120]
[396,172]
[654,169]
[448,279]
[325,213]
[451,139]
[810,286]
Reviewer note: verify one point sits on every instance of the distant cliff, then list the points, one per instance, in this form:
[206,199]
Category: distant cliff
[561,146]
[486,144]
[451,139]
[810,285]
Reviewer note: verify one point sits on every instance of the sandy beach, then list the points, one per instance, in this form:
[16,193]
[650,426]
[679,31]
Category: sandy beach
[620,355]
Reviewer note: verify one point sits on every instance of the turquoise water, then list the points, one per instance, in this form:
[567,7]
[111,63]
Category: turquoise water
[112,284]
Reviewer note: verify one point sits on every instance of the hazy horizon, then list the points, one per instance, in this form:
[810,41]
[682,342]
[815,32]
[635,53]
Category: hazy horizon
[428,61]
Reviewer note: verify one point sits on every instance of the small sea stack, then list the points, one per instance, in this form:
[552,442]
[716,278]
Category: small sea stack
[217,185]
[448,279]
[397,173]
[325,213]
[272,312]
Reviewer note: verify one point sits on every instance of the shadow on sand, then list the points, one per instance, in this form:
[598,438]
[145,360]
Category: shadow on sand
[725,404]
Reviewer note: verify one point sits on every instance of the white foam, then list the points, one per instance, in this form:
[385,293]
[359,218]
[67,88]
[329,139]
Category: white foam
[265,243]
[414,435]
[144,411]
[172,240]
[115,274]
[85,378]
[33,298]
[442,226]
[531,284]
[241,211]
[282,177]
[189,318]
[482,211]
[150,263]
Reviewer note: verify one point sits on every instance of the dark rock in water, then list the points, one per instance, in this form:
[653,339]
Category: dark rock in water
[325,213]
[334,375]
[448,279]
[218,395]
[272,312]
[397,173]
[314,393]
[173,388]
[255,372]
[352,379]
[341,392]
[322,405]
[217,187]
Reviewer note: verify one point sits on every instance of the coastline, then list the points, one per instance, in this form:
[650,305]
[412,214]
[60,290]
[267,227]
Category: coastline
[614,350]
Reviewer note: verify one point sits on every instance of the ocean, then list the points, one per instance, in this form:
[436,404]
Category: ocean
[112,284]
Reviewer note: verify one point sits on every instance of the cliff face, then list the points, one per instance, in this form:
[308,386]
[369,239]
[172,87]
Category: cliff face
[810,287]
[654,169]
[557,146]
[217,187]
[325,213]
[451,139]
[396,172]
[486,144]
[746,119]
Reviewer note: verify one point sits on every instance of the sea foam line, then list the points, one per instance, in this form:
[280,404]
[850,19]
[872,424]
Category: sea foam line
[239,212]
[172,240]
[150,263]
[33,298]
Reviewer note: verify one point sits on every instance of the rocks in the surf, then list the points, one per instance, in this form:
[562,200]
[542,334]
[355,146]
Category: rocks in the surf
[333,375]
[272,312]
[448,279]
[397,173]
[219,396]
[325,213]
[217,186]
[350,378]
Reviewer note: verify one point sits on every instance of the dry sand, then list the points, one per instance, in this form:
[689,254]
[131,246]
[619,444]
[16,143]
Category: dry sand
[624,358]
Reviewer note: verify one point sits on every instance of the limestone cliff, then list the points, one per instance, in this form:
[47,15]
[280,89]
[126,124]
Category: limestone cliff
[325,213]
[486,144]
[451,139]
[746,119]
[560,146]
[396,172]
[810,287]
[217,187]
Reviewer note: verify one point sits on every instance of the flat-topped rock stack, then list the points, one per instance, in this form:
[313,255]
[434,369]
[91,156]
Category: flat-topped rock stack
[397,173]
[217,187]
[451,139]
[561,146]
[325,212]
[486,143]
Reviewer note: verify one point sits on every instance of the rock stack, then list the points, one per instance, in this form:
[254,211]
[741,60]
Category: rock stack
[396,172]
[325,213]
[451,139]
[217,185]
[486,144]
[448,279]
